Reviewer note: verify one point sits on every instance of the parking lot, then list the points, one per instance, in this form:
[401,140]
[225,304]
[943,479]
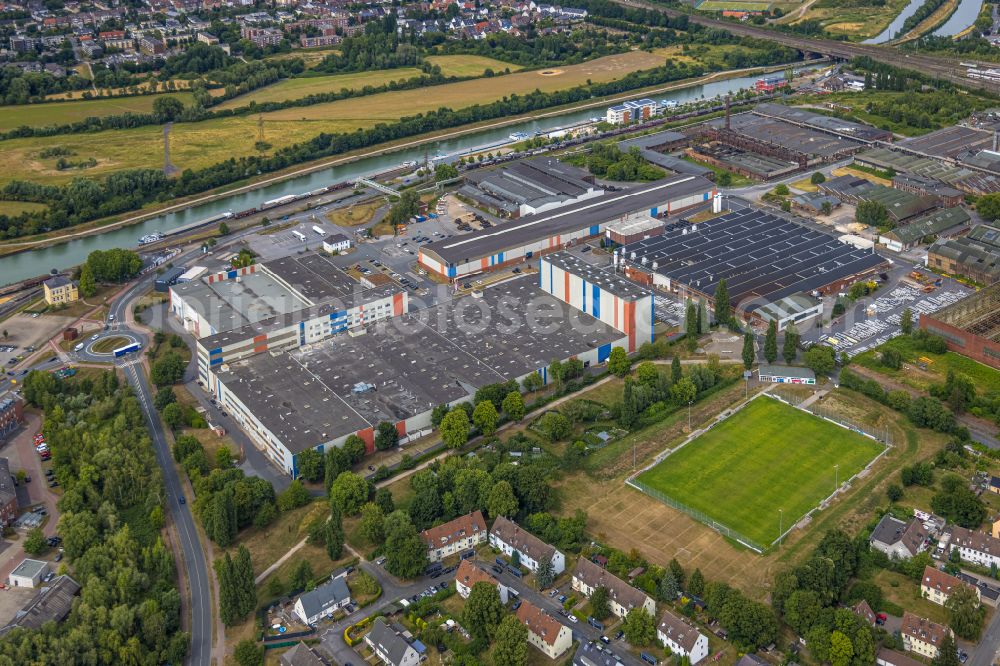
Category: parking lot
[874,321]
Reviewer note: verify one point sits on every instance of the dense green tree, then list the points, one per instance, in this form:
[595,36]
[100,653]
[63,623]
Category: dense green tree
[639,627]
[669,590]
[383,498]
[406,553]
[841,649]
[348,493]
[771,342]
[722,307]
[817,178]
[294,496]
[34,542]
[820,359]
[311,465]
[618,362]
[88,286]
[513,406]
[485,417]
[906,321]
[947,653]
[790,345]
[545,573]
[455,428]
[483,611]
[243,580]
[677,570]
[511,643]
[334,536]
[691,326]
[372,523]
[167,369]
[302,576]
[988,207]
[599,603]
[965,613]
[748,349]
[249,653]
[675,369]
[696,585]
[386,436]
[502,501]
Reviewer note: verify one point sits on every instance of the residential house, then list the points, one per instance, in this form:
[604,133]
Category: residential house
[302,655]
[8,495]
[898,539]
[389,646]
[60,290]
[336,243]
[53,604]
[631,111]
[887,657]
[682,637]
[544,632]
[976,547]
[936,585]
[621,596]
[994,486]
[469,574]
[455,536]
[323,601]
[865,612]
[508,536]
[922,636]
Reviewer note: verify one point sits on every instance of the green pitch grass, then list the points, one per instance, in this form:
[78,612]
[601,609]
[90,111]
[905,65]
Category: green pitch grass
[767,456]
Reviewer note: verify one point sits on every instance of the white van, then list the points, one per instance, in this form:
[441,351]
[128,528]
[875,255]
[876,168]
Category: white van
[79,347]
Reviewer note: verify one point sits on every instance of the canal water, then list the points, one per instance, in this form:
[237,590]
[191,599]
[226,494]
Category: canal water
[964,17]
[897,23]
[23,265]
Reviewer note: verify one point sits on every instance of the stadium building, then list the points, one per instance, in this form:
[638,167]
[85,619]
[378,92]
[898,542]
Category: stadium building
[763,258]
[520,240]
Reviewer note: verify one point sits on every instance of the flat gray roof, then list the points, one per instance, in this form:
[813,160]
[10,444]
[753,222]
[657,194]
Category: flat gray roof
[533,228]
[776,131]
[29,568]
[785,371]
[606,279]
[819,121]
[417,361]
[313,276]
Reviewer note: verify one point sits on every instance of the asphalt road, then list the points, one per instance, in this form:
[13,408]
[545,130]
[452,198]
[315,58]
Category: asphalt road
[194,562]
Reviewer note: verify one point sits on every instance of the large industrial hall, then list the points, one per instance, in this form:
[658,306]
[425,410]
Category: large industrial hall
[762,257]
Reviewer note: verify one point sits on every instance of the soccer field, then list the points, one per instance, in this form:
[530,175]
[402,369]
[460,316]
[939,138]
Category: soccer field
[768,456]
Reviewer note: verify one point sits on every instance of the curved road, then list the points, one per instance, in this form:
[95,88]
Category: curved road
[180,514]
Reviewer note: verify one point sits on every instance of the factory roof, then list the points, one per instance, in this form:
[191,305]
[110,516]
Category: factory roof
[950,141]
[536,227]
[654,140]
[965,251]
[53,603]
[171,274]
[986,234]
[789,306]
[609,281]
[762,257]
[815,200]
[532,182]
[848,128]
[778,132]
[925,183]
[438,355]
[933,223]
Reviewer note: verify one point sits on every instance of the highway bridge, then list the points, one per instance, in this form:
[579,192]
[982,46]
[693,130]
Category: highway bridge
[940,67]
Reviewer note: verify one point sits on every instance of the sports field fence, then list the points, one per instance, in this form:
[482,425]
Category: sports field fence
[722,529]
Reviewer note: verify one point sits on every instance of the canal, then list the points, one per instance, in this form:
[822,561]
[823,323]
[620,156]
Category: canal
[31,263]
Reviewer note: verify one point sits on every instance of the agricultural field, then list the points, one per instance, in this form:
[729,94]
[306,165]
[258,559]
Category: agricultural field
[311,57]
[58,113]
[767,457]
[197,145]
[18,207]
[733,5]
[300,87]
[469,65]
[844,18]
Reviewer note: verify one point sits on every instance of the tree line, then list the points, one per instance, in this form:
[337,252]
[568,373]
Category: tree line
[111,515]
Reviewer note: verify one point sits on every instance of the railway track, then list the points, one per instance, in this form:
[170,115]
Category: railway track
[939,67]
